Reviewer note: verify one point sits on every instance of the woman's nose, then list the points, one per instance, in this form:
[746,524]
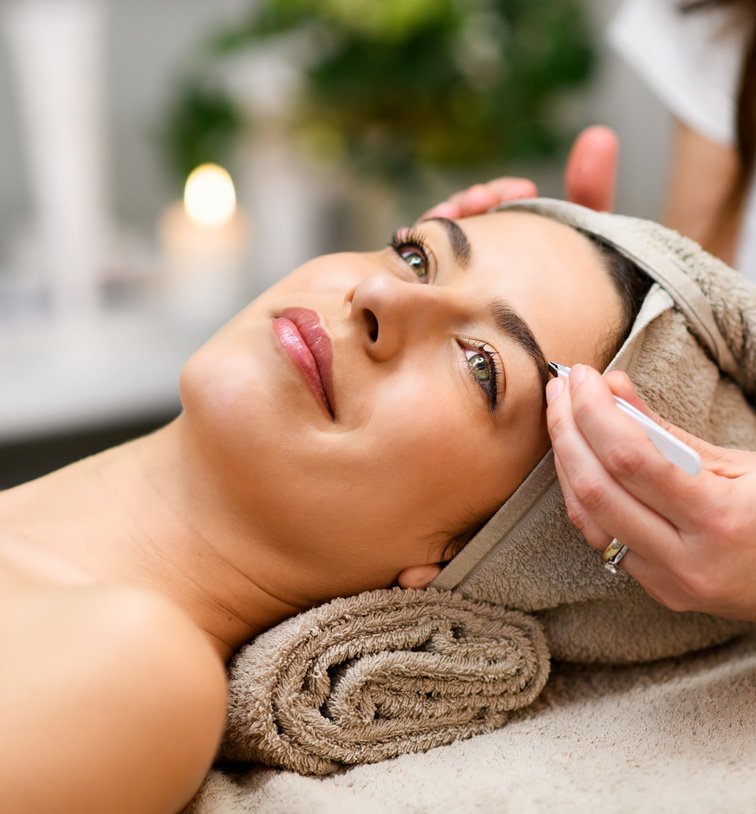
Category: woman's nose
[390,313]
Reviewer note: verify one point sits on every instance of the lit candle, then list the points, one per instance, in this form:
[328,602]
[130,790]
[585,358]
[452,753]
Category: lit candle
[204,242]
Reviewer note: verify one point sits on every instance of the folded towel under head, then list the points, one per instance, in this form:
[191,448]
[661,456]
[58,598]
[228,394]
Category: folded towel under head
[387,672]
[371,676]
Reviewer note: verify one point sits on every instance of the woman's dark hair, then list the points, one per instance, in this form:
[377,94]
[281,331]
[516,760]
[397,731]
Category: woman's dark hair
[632,285]
[745,113]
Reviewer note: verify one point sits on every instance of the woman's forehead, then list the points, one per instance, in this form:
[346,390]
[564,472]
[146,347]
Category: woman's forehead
[550,274]
[526,231]
[534,250]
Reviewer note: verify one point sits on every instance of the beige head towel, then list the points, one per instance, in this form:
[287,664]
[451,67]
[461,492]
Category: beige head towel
[386,672]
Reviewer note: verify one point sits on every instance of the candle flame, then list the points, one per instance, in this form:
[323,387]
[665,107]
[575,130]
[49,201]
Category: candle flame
[209,195]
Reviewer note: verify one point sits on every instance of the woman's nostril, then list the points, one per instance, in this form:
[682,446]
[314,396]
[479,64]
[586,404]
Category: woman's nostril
[371,323]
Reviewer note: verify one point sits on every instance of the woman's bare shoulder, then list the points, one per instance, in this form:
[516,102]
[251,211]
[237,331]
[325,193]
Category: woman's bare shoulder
[126,689]
[180,683]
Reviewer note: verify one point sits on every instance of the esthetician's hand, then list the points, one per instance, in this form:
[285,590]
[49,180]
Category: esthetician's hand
[588,180]
[692,538]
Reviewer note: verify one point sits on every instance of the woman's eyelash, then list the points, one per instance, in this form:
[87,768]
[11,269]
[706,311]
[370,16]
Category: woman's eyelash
[407,236]
[491,385]
[411,247]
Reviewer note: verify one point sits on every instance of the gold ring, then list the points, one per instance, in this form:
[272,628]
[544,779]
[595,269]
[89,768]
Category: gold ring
[612,555]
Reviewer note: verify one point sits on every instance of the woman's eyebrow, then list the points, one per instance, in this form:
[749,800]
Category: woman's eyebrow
[507,320]
[458,240]
[511,324]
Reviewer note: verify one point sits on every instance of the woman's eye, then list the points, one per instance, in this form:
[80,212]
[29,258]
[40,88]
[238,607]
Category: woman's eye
[416,258]
[479,365]
[410,247]
[482,364]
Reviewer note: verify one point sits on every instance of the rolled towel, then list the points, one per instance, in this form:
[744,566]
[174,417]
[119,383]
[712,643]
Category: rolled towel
[373,676]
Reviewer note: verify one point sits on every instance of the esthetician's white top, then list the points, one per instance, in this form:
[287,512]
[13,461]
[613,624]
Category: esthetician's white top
[692,62]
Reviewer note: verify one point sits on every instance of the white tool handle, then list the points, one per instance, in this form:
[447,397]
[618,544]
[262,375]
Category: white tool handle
[673,449]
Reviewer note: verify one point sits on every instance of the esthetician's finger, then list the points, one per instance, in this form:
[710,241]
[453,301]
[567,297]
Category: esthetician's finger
[476,200]
[594,535]
[715,459]
[589,175]
[632,562]
[642,530]
[510,189]
[599,506]
[629,457]
[479,198]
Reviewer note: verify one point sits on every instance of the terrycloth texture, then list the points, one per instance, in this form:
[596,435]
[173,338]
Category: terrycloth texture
[672,737]
[373,676]
[690,352]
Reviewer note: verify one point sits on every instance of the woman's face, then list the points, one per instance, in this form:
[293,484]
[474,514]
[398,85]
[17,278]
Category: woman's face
[368,406]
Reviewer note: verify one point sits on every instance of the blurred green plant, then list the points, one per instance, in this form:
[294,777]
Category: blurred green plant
[393,85]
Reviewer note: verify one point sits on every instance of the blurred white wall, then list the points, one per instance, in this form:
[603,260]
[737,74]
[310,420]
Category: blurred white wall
[149,41]
[620,99]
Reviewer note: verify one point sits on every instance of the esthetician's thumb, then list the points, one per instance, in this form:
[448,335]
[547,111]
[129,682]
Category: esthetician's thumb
[589,175]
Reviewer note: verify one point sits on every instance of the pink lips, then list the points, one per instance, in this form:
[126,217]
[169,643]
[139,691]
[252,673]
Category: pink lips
[302,336]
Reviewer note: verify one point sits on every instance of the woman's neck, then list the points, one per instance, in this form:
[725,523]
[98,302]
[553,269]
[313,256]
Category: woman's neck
[150,513]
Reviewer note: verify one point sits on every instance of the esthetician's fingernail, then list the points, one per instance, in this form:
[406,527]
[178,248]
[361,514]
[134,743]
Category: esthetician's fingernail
[578,374]
[554,389]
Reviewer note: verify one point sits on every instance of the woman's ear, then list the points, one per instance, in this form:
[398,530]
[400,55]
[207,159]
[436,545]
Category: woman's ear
[419,576]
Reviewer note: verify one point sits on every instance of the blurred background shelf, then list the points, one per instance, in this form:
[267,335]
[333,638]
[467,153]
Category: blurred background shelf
[68,391]
[122,367]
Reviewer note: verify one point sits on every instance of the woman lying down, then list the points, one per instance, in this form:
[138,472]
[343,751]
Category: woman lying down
[350,429]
